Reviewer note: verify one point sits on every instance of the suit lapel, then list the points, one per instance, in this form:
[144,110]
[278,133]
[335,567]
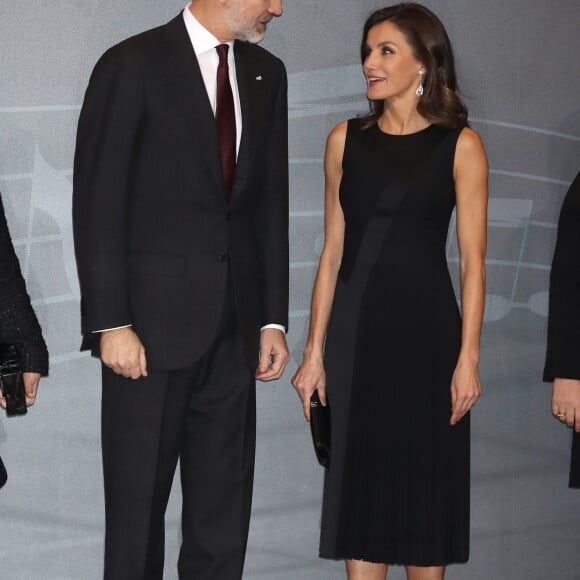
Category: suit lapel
[246,89]
[184,77]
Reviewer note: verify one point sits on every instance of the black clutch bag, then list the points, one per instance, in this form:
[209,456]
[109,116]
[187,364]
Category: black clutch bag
[11,380]
[320,429]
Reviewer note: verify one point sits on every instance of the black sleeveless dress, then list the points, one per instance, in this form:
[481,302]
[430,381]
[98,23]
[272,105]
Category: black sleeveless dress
[397,490]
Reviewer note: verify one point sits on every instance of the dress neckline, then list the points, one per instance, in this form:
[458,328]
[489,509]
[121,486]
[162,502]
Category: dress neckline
[424,130]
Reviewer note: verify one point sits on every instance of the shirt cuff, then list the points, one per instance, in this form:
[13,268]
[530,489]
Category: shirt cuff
[276,326]
[107,329]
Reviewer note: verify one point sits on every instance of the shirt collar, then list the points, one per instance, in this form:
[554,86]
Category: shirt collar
[201,38]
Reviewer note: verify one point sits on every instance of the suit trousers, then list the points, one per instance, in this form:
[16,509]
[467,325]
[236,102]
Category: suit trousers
[205,416]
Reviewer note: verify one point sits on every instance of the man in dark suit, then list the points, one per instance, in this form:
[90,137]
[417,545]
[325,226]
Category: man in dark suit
[181,234]
[563,352]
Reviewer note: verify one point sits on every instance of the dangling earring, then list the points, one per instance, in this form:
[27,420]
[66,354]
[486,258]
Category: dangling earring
[419,91]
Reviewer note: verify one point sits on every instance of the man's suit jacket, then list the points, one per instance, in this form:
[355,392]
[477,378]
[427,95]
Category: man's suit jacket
[563,351]
[154,237]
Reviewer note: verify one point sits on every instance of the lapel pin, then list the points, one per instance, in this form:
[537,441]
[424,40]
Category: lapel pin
[259,78]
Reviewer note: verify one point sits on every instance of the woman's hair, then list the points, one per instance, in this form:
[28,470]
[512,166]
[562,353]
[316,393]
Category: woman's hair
[440,103]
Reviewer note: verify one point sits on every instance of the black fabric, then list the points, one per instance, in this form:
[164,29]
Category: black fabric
[563,345]
[3,474]
[158,247]
[575,462]
[562,359]
[153,233]
[18,323]
[203,415]
[397,490]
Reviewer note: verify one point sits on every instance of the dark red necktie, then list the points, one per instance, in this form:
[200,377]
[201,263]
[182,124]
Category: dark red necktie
[226,120]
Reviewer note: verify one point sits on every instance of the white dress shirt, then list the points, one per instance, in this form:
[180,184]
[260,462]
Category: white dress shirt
[204,45]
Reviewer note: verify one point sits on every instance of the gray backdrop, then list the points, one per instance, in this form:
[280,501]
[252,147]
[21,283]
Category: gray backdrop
[518,68]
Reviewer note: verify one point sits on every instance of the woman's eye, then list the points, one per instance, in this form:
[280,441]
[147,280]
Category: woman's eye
[386,50]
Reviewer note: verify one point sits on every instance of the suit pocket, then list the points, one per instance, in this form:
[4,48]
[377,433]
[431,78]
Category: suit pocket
[157,264]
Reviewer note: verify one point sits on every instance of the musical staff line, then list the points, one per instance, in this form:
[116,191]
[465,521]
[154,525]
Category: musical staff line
[529,176]
[298,265]
[40,109]
[307,213]
[55,300]
[537,130]
[37,240]
[69,356]
[23,176]
[298,313]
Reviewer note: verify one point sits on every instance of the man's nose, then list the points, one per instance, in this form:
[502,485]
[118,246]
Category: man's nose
[276,7]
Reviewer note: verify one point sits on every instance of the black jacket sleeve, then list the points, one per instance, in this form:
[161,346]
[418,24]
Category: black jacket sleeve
[18,322]
[106,139]
[274,210]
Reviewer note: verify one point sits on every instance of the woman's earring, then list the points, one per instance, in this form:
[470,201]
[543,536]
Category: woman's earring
[419,91]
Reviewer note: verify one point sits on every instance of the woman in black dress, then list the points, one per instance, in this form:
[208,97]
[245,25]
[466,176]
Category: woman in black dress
[400,362]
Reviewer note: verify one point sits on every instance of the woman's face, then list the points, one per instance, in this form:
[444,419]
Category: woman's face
[391,69]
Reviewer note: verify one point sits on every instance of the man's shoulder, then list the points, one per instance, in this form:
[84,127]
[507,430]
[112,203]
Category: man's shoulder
[138,46]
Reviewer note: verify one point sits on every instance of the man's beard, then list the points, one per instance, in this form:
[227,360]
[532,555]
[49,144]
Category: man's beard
[243,27]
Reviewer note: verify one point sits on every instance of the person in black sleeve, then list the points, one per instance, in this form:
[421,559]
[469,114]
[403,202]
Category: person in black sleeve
[563,350]
[18,323]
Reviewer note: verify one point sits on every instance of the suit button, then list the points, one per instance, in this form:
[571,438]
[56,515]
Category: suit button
[225,258]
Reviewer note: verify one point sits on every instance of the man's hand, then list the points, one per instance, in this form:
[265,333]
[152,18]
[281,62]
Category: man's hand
[123,353]
[274,355]
[566,402]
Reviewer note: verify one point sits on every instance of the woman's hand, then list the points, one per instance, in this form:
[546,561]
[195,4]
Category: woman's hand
[31,381]
[310,377]
[566,402]
[465,389]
